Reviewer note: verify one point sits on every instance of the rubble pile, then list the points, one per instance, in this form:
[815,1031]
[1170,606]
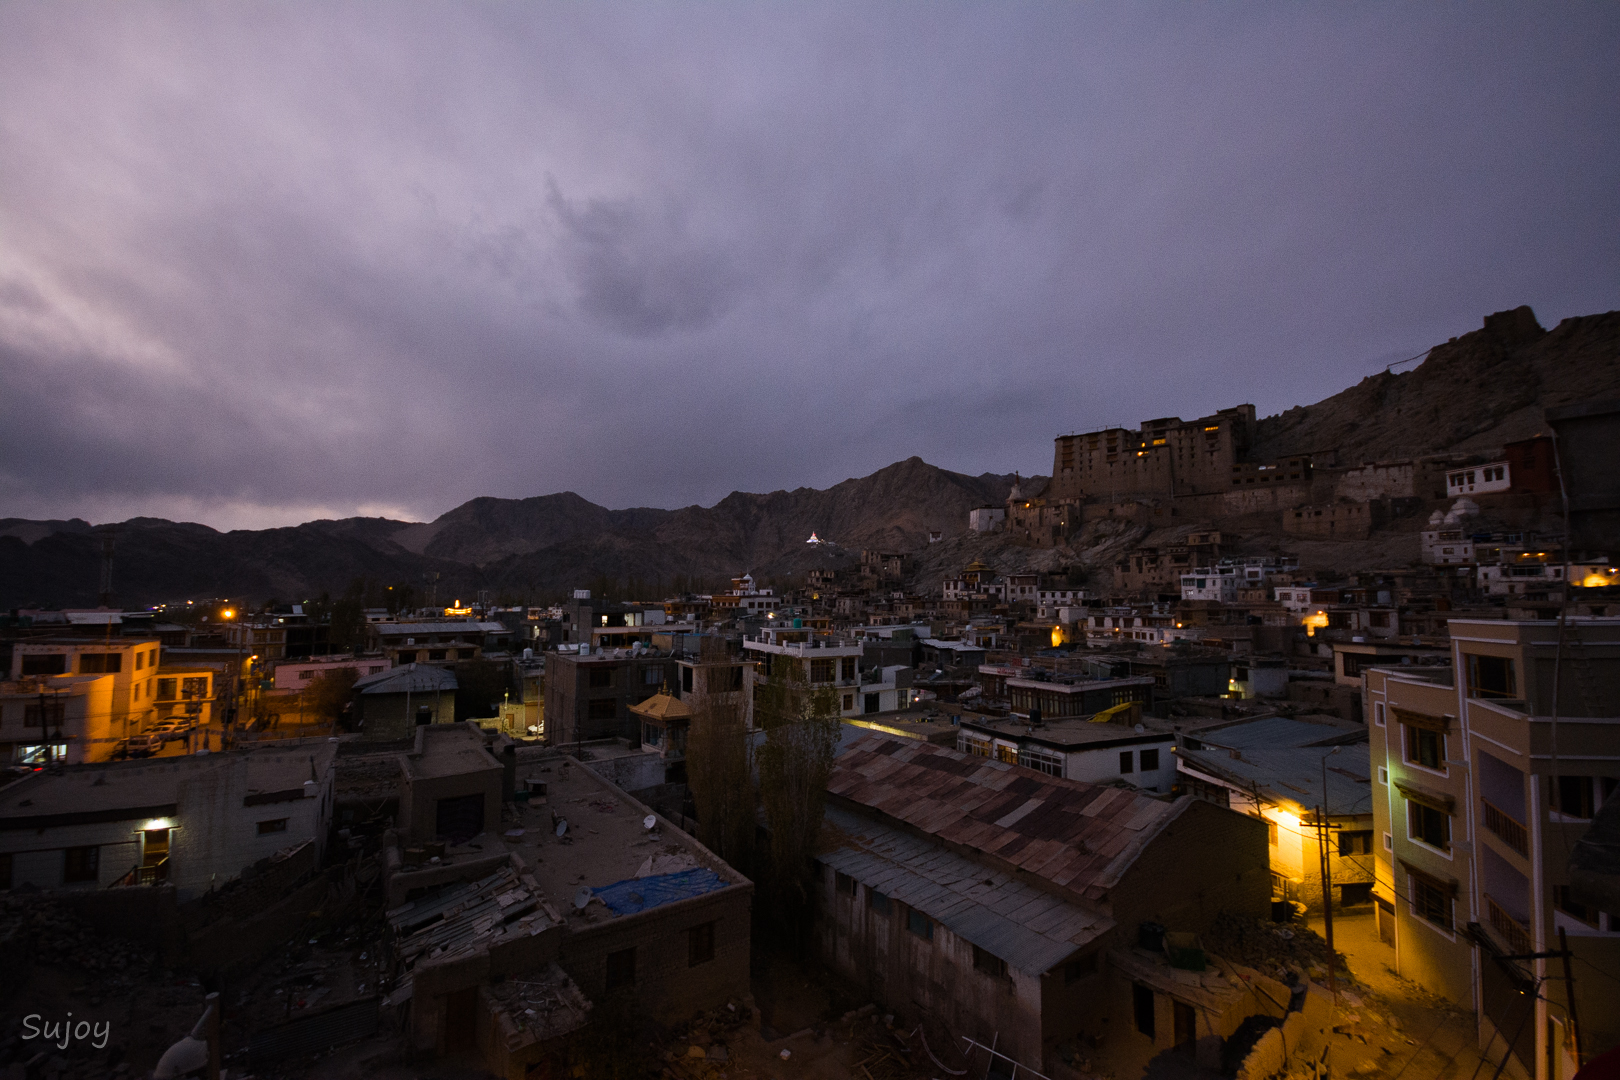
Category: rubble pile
[1274,948]
[700,1050]
[45,932]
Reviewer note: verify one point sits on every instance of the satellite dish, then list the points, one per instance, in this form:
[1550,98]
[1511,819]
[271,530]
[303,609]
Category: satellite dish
[582,898]
[650,822]
[562,826]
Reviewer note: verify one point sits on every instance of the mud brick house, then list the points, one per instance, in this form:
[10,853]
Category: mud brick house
[992,899]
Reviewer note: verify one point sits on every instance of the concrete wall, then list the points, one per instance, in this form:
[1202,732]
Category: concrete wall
[393,716]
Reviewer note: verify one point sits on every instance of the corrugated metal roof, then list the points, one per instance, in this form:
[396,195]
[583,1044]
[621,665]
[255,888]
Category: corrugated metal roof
[1031,930]
[1294,774]
[1277,732]
[1079,836]
[415,678]
[464,915]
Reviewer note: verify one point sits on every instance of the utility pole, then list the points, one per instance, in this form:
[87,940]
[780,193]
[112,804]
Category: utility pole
[1569,994]
[1327,894]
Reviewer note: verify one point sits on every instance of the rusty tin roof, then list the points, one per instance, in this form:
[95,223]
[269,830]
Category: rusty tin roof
[1080,837]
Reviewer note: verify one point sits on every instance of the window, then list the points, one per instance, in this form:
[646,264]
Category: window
[140,660]
[600,677]
[844,884]
[878,902]
[1075,970]
[846,668]
[686,680]
[275,825]
[81,864]
[1426,748]
[1124,762]
[1429,825]
[1383,775]
[989,963]
[407,656]
[849,702]
[919,924]
[1389,842]
[1570,795]
[1142,1008]
[1570,906]
[821,671]
[1150,760]
[1006,753]
[53,664]
[621,968]
[653,677]
[1355,842]
[1041,761]
[100,663]
[699,945]
[1378,714]
[1432,901]
[1491,677]
[976,747]
[305,675]
[1271,832]
[435,654]
[45,714]
[601,709]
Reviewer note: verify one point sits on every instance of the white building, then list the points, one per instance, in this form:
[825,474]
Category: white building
[1296,598]
[1479,480]
[299,674]
[985,518]
[1077,749]
[193,822]
[1447,547]
[1212,583]
[885,689]
[824,662]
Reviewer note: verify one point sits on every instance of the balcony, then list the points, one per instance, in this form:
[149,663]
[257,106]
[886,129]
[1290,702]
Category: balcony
[1514,932]
[1511,832]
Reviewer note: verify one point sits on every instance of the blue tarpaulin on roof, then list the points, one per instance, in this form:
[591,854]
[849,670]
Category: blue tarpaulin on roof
[638,894]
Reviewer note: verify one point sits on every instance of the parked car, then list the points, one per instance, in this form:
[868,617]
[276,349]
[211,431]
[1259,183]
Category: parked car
[170,730]
[139,746]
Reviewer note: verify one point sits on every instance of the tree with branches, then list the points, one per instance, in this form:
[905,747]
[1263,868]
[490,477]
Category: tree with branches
[719,755]
[802,727]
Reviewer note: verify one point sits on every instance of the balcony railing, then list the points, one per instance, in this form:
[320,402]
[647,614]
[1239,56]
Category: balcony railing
[1515,835]
[156,872]
[1514,932]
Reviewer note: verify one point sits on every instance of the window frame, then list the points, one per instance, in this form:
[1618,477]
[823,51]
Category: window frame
[620,970]
[1427,814]
[81,864]
[700,944]
[919,925]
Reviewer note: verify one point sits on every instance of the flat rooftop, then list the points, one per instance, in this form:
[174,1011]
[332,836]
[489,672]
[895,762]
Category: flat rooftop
[448,750]
[606,841]
[107,790]
[1066,732]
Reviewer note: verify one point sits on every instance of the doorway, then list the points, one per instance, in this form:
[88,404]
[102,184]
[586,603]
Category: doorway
[1186,1025]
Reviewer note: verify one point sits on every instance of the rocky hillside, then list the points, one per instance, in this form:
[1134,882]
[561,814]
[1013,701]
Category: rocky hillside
[1471,394]
[520,547]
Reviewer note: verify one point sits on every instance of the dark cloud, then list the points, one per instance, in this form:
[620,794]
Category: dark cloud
[268,262]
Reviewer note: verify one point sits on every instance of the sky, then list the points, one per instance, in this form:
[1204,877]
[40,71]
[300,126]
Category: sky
[268,262]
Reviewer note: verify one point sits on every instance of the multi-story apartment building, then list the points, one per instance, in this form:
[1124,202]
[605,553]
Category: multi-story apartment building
[1483,783]
[589,692]
[823,662]
[76,699]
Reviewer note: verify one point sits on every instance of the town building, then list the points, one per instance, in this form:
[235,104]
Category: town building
[1004,903]
[584,898]
[1098,750]
[193,822]
[983,519]
[1483,783]
[819,663]
[589,691]
[295,675]
[96,695]
[1275,768]
[394,702]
